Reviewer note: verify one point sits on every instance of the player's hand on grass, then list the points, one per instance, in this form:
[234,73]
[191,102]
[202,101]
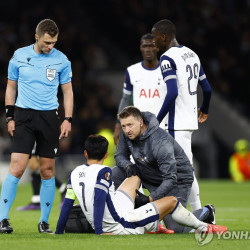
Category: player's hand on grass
[107,234]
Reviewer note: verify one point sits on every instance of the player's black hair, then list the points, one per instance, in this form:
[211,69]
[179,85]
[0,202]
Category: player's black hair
[128,111]
[47,26]
[96,147]
[147,36]
[165,26]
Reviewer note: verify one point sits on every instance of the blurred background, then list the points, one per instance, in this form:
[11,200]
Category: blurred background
[101,39]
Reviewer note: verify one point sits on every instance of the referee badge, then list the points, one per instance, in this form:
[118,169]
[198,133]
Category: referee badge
[51,74]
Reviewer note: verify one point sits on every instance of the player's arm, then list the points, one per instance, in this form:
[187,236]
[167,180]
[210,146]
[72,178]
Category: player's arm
[11,92]
[207,92]
[168,70]
[122,154]
[68,108]
[164,155]
[10,97]
[67,205]
[102,185]
[125,101]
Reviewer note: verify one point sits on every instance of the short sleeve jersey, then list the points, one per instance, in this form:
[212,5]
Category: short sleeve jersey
[183,64]
[38,77]
[86,181]
[148,88]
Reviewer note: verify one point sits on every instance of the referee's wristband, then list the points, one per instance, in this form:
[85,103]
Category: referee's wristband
[69,119]
[9,119]
[10,110]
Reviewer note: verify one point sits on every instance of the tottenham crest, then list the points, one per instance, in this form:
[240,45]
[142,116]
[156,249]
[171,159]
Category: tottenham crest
[51,74]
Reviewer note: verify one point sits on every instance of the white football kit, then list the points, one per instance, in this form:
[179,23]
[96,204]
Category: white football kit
[148,88]
[182,71]
[108,210]
[184,65]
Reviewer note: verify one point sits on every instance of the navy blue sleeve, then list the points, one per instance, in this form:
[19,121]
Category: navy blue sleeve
[67,205]
[64,215]
[206,90]
[127,84]
[168,69]
[103,183]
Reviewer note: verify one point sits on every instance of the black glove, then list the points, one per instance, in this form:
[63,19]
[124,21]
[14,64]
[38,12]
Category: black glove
[131,170]
[140,199]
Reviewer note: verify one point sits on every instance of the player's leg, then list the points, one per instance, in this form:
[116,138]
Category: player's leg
[203,214]
[21,148]
[194,197]
[182,216]
[129,186]
[34,165]
[47,148]
[9,188]
[47,192]
[184,140]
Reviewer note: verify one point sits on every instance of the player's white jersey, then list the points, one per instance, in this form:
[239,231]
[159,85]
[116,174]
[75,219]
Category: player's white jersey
[183,64]
[112,212]
[149,89]
[84,181]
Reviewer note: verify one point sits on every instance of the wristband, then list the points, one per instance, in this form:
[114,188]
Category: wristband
[9,119]
[69,119]
[10,110]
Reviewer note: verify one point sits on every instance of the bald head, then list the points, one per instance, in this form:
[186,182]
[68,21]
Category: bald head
[164,35]
[165,26]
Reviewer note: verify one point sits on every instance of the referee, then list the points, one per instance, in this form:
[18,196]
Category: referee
[35,73]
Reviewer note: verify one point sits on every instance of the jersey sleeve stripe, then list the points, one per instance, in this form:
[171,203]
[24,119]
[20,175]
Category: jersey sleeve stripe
[106,183]
[202,77]
[101,187]
[128,92]
[170,77]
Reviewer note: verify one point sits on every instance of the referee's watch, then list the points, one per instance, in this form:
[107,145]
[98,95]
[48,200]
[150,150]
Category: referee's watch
[9,119]
[69,119]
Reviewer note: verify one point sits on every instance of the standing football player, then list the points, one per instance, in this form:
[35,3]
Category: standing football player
[144,83]
[182,71]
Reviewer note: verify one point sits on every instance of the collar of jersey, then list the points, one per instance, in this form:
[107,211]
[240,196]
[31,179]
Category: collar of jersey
[142,64]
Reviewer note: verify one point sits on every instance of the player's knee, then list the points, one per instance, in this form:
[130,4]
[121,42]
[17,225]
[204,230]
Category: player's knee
[173,201]
[17,168]
[47,171]
[16,171]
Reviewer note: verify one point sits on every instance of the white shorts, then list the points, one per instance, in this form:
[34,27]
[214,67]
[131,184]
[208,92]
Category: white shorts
[184,139]
[146,218]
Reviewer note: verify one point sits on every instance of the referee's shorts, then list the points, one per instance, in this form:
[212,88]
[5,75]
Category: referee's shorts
[35,126]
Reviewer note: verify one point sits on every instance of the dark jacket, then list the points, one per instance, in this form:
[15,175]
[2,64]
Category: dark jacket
[160,159]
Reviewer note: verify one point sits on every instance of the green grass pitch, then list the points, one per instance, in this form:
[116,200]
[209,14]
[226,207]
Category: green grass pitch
[232,203]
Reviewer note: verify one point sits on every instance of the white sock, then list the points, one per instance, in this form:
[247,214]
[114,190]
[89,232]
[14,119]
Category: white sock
[62,188]
[182,216]
[194,197]
[35,199]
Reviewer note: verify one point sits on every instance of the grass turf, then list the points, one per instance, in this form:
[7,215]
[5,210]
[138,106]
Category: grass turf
[232,203]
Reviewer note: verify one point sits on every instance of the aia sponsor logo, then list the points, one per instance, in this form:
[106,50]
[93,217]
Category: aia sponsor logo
[149,93]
